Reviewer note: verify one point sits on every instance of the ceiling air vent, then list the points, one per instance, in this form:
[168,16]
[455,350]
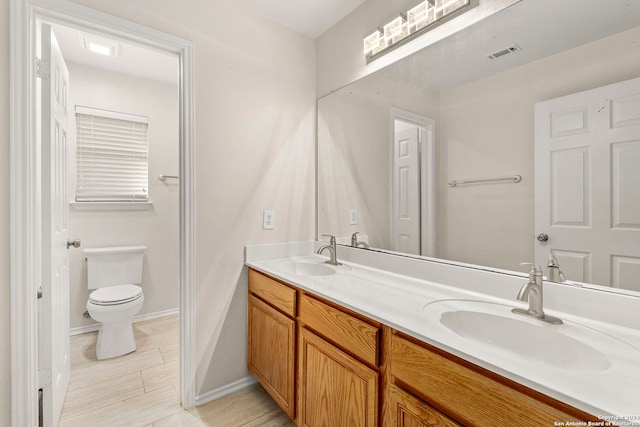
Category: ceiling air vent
[503,52]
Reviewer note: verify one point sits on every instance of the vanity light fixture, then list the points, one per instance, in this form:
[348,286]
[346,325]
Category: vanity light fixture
[409,24]
[99,45]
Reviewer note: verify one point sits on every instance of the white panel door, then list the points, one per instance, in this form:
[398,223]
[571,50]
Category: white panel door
[406,191]
[54,322]
[587,184]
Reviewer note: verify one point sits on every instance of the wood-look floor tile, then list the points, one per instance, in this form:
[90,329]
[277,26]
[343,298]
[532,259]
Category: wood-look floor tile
[96,371]
[150,335]
[164,326]
[182,419]
[276,418]
[142,388]
[170,353]
[138,411]
[82,400]
[83,348]
[238,409]
[160,376]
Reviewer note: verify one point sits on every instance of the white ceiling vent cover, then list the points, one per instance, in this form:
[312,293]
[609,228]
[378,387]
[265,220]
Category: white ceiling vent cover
[503,52]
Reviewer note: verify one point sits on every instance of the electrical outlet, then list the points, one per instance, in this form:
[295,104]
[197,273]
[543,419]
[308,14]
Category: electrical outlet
[353,216]
[268,220]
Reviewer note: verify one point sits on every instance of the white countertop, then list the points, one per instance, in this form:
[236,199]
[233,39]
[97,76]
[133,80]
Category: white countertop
[399,301]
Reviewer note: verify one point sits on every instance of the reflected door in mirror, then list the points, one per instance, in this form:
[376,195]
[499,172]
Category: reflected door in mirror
[587,154]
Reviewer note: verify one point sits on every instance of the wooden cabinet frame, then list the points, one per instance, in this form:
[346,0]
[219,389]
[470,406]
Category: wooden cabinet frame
[297,341]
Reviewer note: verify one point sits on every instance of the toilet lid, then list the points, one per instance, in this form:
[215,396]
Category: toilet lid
[115,294]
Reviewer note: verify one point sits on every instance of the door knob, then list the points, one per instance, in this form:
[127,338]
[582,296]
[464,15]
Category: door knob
[542,237]
[75,243]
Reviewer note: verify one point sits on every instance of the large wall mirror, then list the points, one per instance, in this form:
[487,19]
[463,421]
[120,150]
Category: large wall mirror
[473,107]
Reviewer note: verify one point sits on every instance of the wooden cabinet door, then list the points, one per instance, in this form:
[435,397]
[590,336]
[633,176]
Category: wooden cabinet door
[272,346]
[334,388]
[408,411]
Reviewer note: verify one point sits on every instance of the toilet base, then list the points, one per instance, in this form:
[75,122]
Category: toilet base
[115,336]
[115,339]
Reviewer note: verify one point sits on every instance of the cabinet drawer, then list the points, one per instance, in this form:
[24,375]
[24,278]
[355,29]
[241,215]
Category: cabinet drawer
[275,293]
[344,330]
[469,395]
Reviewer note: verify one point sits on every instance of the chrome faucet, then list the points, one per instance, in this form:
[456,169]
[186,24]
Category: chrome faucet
[532,291]
[554,274]
[356,244]
[332,250]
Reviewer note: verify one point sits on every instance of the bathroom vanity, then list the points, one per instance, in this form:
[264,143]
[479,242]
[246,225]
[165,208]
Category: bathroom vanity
[351,345]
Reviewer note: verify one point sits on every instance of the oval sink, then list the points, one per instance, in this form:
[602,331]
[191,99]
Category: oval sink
[310,267]
[569,346]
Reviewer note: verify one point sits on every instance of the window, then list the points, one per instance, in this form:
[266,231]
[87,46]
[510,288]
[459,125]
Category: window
[111,156]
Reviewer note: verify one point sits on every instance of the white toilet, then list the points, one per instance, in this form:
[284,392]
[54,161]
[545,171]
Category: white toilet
[114,273]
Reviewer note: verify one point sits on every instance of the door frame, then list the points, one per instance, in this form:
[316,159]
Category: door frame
[427,175]
[25,203]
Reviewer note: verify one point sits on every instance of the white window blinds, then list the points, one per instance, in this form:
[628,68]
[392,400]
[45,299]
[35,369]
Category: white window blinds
[111,156]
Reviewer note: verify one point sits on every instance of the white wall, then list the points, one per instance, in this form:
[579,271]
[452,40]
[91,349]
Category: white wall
[485,128]
[5,306]
[254,150]
[156,228]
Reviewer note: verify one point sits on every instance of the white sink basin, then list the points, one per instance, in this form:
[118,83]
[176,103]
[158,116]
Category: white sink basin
[307,266]
[569,346]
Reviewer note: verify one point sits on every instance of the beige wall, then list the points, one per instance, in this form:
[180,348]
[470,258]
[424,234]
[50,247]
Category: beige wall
[254,150]
[354,154]
[5,306]
[158,227]
[254,106]
[485,128]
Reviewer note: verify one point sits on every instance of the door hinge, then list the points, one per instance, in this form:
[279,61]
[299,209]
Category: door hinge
[44,378]
[43,68]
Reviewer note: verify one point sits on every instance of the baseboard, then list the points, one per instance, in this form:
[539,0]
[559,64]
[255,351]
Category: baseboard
[140,318]
[212,395]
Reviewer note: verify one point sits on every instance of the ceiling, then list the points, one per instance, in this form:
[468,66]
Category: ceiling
[311,18]
[130,59]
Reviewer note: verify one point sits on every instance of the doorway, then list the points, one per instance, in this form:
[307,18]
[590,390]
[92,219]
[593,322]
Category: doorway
[412,183]
[26,185]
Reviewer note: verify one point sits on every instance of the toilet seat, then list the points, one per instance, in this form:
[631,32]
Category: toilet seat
[115,295]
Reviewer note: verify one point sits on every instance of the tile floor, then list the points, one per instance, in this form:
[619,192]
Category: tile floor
[142,388]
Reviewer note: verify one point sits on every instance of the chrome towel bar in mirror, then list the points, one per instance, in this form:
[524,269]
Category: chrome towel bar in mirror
[514,179]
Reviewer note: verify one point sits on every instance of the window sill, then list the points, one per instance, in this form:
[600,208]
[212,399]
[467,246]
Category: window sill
[111,206]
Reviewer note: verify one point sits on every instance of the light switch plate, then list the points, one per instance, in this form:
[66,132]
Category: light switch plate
[353,216]
[268,220]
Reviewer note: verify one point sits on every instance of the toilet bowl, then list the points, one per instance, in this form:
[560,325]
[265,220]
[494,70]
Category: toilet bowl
[113,273]
[115,313]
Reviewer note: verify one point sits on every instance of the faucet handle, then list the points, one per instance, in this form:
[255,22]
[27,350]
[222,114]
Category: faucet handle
[332,239]
[533,268]
[535,273]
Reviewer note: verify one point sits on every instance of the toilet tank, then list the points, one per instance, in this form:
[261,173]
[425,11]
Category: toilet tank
[112,266]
